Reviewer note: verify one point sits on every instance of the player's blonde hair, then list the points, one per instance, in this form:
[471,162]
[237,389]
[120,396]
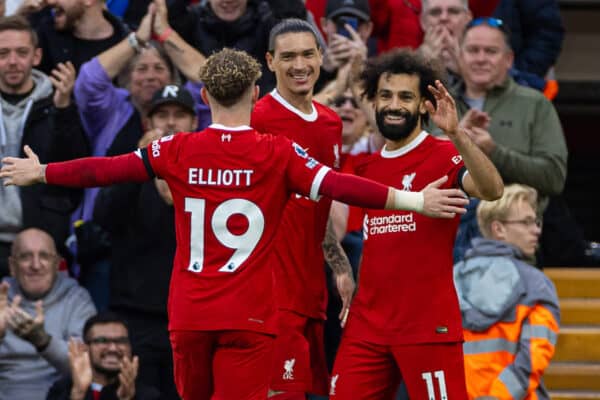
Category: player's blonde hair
[489,211]
[227,75]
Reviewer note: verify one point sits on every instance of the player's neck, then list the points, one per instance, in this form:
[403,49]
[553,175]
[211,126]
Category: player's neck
[301,101]
[391,145]
[236,115]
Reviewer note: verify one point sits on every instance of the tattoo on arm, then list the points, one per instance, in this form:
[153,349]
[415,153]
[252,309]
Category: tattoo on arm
[174,46]
[334,254]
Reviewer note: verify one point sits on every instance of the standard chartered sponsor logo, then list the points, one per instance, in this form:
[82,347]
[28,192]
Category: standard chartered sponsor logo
[390,224]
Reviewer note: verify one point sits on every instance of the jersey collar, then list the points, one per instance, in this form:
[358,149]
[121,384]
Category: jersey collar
[406,148]
[230,128]
[312,117]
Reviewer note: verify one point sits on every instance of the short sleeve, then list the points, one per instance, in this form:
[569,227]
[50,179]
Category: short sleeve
[158,155]
[304,174]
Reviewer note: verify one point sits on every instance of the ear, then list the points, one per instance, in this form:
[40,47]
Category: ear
[269,58]
[422,109]
[510,58]
[365,29]
[37,56]
[497,230]
[204,95]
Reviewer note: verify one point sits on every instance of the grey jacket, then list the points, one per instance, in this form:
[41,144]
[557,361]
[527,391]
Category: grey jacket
[27,374]
[13,118]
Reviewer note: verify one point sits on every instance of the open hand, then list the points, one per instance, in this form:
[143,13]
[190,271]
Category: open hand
[127,376]
[63,80]
[23,171]
[444,113]
[443,203]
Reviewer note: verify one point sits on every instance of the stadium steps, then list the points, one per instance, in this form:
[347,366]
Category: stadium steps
[574,373]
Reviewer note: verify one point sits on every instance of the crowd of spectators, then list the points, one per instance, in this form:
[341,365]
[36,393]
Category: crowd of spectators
[104,78]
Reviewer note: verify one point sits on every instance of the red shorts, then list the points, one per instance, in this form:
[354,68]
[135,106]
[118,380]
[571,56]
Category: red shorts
[365,370]
[221,365]
[299,363]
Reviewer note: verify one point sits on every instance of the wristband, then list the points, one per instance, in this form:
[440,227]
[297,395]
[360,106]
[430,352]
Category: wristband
[133,42]
[411,201]
[165,35]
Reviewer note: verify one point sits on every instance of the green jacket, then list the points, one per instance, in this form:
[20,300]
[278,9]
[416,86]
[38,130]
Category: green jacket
[530,144]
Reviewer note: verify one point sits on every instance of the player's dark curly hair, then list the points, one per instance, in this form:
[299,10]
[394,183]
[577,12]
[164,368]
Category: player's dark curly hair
[228,73]
[400,61]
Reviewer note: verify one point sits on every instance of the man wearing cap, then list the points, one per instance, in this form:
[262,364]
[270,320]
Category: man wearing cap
[140,220]
[347,26]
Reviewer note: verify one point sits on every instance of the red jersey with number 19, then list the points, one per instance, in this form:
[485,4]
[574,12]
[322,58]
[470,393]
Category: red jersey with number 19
[406,293]
[229,187]
[299,277]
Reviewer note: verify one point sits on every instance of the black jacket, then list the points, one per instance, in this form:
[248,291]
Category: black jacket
[61,390]
[55,135]
[60,47]
[202,29]
[142,230]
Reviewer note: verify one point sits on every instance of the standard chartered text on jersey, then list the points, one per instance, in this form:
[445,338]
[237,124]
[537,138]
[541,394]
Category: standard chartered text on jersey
[219,177]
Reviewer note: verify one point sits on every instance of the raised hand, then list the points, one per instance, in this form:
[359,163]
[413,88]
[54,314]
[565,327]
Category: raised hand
[160,24]
[444,114]
[127,376]
[27,327]
[23,171]
[81,368]
[443,203]
[475,118]
[63,80]
[144,31]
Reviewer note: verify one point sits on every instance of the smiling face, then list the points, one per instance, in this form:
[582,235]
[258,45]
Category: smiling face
[485,57]
[108,343]
[34,263]
[148,74]
[398,106]
[17,58]
[296,61]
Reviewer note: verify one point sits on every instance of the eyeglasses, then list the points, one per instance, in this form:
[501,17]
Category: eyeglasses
[452,11]
[341,100]
[105,341]
[28,257]
[493,22]
[528,222]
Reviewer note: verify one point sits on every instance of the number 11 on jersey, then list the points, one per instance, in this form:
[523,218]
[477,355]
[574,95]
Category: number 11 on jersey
[439,376]
[242,244]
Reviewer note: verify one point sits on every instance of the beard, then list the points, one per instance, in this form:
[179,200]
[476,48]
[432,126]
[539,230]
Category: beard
[71,17]
[396,132]
[109,373]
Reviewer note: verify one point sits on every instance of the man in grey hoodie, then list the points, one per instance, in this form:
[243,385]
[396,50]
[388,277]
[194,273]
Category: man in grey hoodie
[509,308]
[40,309]
[32,113]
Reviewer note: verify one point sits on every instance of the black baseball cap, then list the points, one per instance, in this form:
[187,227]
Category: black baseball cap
[172,94]
[355,8]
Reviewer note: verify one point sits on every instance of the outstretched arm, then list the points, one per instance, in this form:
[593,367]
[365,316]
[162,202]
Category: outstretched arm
[361,192]
[82,172]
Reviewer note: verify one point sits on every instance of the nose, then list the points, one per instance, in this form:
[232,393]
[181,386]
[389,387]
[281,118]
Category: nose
[298,63]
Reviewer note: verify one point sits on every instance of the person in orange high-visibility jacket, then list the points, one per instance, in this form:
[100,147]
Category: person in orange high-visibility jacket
[509,308]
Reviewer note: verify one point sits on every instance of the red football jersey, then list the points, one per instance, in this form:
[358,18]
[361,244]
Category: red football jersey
[405,292]
[229,187]
[299,275]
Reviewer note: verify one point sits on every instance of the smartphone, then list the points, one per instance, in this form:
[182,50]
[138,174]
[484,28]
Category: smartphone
[341,21]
